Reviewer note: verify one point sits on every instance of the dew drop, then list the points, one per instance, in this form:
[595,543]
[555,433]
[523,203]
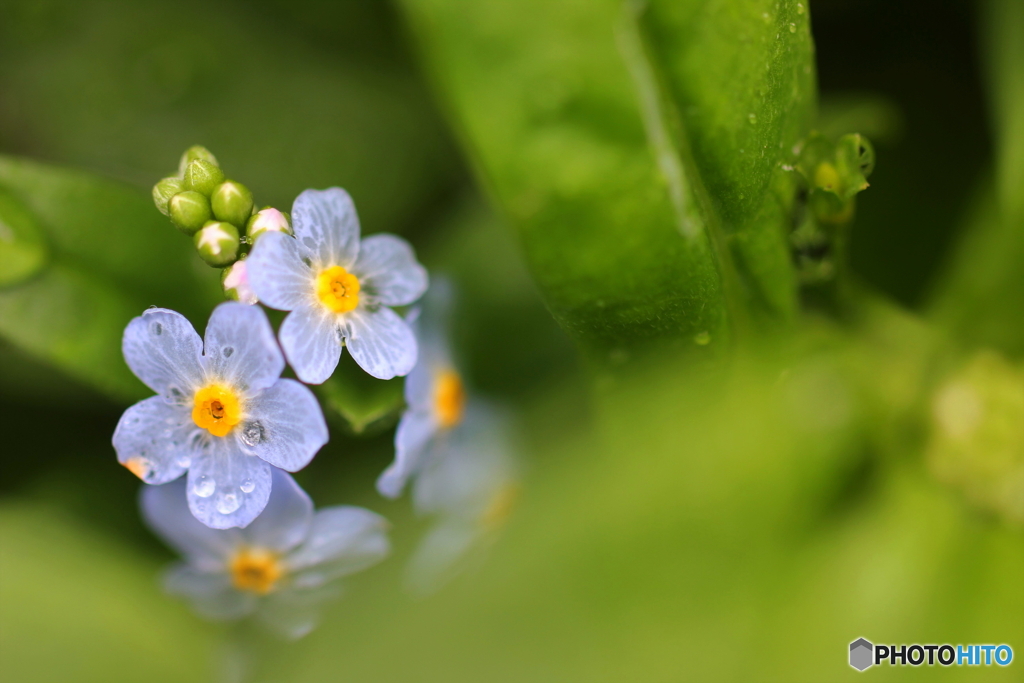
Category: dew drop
[752,117]
[702,338]
[228,503]
[183,461]
[253,434]
[227,351]
[799,8]
[248,486]
[204,487]
[792,28]
[156,329]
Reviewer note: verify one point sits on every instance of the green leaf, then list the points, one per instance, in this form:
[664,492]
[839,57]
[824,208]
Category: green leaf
[22,249]
[112,255]
[366,405]
[629,175]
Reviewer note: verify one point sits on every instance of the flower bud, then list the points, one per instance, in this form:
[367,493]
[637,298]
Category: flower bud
[232,202]
[164,190]
[189,211]
[236,283]
[217,243]
[193,153]
[203,177]
[267,220]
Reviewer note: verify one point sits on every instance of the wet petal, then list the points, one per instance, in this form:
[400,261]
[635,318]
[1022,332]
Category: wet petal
[414,432]
[284,425]
[210,593]
[285,522]
[346,537]
[163,350]
[380,342]
[241,349]
[227,488]
[388,269]
[326,227]
[309,337]
[165,510]
[154,439]
[278,274]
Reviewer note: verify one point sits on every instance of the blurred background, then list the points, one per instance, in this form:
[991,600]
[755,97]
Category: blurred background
[674,525]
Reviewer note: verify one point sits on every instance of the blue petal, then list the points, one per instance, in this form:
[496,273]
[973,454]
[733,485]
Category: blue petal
[154,439]
[344,538]
[419,384]
[388,270]
[284,523]
[227,488]
[326,227]
[293,614]
[284,425]
[163,350]
[380,342]
[241,349]
[309,337]
[210,593]
[277,273]
[414,431]
[437,559]
[165,510]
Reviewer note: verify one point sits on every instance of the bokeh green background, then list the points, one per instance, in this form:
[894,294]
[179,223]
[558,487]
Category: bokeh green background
[678,522]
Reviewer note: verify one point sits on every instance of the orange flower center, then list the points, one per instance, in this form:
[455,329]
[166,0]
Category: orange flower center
[449,398]
[337,289]
[256,570]
[216,409]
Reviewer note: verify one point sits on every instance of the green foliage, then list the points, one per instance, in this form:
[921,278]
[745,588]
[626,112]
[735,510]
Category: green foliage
[112,256]
[365,405]
[615,149]
[22,249]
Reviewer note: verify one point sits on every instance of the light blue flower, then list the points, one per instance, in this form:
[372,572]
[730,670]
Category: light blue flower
[455,448]
[221,413]
[339,289]
[279,569]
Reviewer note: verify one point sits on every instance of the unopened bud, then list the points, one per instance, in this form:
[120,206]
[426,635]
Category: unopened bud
[236,284]
[232,202]
[164,190]
[267,220]
[193,153]
[203,177]
[217,243]
[189,211]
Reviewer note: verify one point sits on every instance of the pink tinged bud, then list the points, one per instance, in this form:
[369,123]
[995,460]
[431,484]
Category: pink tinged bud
[267,220]
[236,284]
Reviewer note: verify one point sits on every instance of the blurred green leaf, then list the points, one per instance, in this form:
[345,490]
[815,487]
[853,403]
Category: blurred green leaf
[113,255]
[365,404]
[629,171]
[75,606]
[22,249]
[1005,28]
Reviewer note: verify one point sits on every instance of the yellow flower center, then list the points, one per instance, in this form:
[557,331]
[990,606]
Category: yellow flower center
[449,398]
[256,570]
[216,409]
[337,289]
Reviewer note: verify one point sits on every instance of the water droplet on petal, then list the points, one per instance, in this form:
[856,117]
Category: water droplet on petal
[253,434]
[248,486]
[228,503]
[183,461]
[156,329]
[227,351]
[204,487]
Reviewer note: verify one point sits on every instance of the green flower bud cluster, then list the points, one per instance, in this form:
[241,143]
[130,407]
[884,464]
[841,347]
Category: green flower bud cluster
[827,176]
[218,213]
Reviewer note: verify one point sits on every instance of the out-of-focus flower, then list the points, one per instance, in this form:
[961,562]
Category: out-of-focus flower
[456,448]
[236,283]
[339,290]
[279,569]
[222,412]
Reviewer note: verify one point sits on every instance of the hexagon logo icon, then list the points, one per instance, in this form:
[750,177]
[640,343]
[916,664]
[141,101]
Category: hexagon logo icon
[861,654]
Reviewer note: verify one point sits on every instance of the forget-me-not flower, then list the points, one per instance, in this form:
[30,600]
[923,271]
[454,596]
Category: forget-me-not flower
[339,289]
[222,413]
[454,447]
[279,569]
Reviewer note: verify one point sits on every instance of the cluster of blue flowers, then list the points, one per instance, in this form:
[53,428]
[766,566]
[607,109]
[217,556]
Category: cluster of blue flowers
[216,442]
